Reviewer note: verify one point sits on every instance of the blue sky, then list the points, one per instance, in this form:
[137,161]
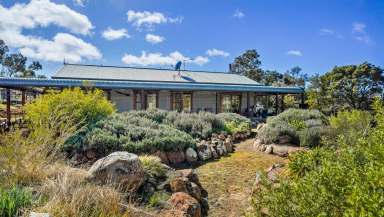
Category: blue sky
[315,35]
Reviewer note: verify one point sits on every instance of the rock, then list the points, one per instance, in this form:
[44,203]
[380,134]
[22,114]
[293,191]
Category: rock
[221,136]
[185,204]
[179,184]
[256,144]
[163,156]
[121,168]
[284,139]
[228,145]
[191,155]
[195,191]
[214,153]
[215,141]
[269,149]
[203,151]
[259,126]
[36,214]
[279,150]
[221,150]
[176,157]
[273,172]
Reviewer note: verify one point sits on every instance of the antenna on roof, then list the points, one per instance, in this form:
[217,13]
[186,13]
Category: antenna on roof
[178,66]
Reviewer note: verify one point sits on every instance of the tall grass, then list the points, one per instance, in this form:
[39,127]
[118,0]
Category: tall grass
[13,201]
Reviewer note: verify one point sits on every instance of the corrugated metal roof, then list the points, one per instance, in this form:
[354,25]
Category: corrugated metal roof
[104,84]
[94,72]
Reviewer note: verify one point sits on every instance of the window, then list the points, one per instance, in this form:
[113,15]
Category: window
[151,101]
[137,101]
[182,102]
[231,103]
[144,100]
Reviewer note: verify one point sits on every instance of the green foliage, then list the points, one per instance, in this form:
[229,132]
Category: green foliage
[198,125]
[75,109]
[297,124]
[304,127]
[349,126]
[346,87]
[346,180]
[15,65]
[13,201]
[84,107]
[311,137]
[153,167]
[133,134]
[235,123]
[157,199]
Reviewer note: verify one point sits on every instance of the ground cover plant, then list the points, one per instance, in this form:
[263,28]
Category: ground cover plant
[135,134]
[342,180]
[303,127]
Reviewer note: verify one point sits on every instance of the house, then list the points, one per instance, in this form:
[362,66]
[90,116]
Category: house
[132,88]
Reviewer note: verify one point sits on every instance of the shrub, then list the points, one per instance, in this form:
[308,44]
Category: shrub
[311,137]
[235,123]
[304,127]
[84,107]
[346,180]
[71,109]
[134,134]
[198,125]
[153,167]
[13,201]
[349,126]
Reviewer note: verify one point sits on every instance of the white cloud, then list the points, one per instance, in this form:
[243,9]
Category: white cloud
[216,52]
[147,59]
[238,14]
[358,27]
[149,19]
[114,34]
[294,53]
[154,39]
[42,13]
[330,32]
[360,34]
[80,2]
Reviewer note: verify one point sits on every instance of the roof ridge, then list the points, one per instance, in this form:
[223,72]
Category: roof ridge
[133,67]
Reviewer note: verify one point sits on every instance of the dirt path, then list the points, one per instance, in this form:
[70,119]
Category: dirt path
[229,180]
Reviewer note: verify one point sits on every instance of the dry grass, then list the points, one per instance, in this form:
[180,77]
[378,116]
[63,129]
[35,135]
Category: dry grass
[229,180]
[69,194]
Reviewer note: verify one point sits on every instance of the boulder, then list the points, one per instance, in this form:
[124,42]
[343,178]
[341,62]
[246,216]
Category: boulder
[259,126]
[256,144]
[185,205]
[221,136]
[213,151]
[191,155]
[203,151]
[163,156]
[120,168]
[269,149]
[228,145]
[179,184]
[220,149]
[284,139]
[280,150]
[176,157]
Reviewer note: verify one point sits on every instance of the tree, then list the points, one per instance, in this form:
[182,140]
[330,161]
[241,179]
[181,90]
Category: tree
[346,87]
[248,64]
[15,65]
